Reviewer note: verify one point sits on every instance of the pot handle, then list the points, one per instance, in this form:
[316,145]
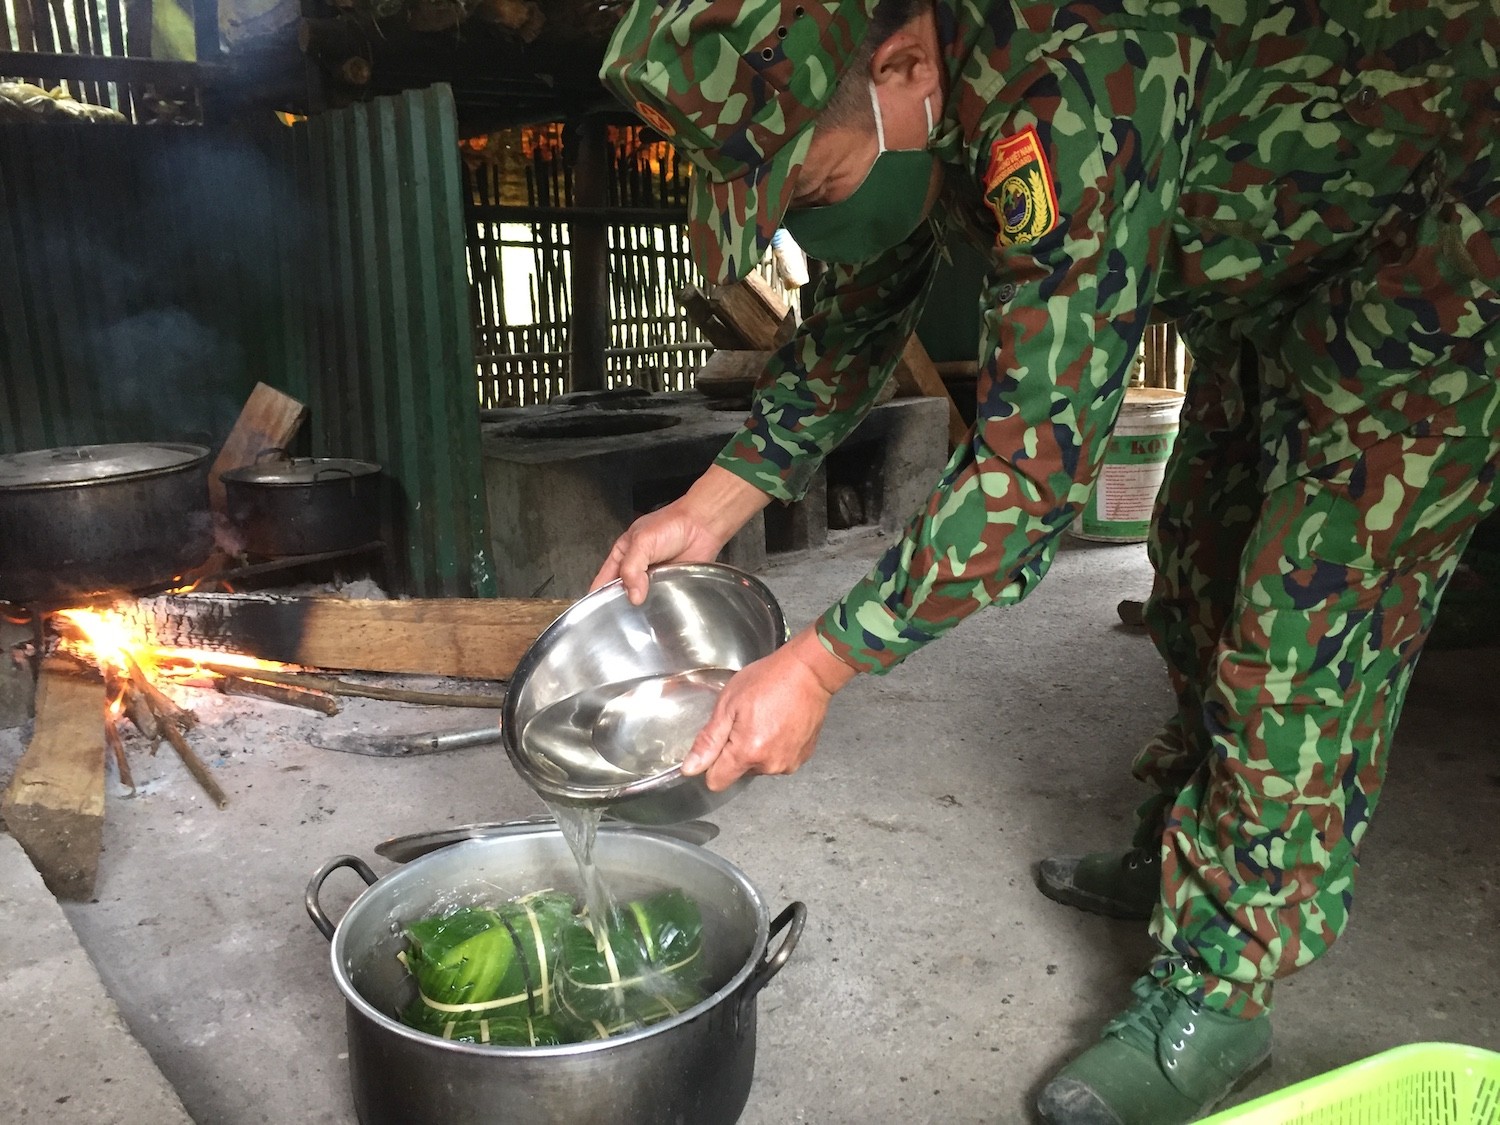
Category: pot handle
[792,919]
[315,884]
[280,451]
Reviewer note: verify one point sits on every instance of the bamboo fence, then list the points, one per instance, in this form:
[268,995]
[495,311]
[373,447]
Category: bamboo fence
[652,344]
[82,27]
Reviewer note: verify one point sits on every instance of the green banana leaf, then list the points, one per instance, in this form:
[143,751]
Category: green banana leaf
[487,963]
[649,967]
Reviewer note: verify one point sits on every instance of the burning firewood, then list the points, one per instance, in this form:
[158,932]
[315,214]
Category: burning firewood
[163,708]
[117,748]
[307,698]
[364,691]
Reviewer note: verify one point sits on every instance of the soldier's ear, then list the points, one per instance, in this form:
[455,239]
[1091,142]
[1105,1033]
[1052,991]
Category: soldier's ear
[911,57]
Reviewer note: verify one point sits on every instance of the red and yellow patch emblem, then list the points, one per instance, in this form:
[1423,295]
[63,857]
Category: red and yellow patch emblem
[1018,187]
[654,118]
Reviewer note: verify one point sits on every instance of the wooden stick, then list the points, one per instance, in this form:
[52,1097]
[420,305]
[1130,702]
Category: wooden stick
[117,747]
[171,720]
[191,760]
[141,715]
[363,691]
[306,698]
[162,707]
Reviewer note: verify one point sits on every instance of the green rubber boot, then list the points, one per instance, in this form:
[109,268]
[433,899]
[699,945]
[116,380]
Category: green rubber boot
[1164,1061]
[1115,884]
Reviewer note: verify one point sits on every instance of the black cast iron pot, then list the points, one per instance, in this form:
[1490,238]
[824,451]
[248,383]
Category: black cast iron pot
[304,505]
[87,519]
[695,1068]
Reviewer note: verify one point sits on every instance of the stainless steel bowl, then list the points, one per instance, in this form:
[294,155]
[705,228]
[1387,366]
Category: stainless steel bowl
[699,622]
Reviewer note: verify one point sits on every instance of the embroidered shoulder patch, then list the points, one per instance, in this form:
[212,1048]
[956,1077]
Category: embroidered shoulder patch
[1018,188]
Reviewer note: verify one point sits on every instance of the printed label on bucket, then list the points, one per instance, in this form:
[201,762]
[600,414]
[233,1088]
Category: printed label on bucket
[1125,493]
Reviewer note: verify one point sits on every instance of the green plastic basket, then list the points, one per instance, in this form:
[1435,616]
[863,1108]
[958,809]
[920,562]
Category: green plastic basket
[1420,1084]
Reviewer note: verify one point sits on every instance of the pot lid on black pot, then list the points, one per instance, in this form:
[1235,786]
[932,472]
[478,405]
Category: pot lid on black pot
[301,470]
[83,464]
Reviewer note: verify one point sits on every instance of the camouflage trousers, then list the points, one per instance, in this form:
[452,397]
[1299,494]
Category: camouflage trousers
[1301,547]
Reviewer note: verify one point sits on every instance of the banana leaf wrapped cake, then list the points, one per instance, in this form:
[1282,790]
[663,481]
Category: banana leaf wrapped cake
[533,972]
[488,975]
[647,967]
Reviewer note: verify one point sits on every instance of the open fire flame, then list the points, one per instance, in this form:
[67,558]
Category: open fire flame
[112,642]
[132,667]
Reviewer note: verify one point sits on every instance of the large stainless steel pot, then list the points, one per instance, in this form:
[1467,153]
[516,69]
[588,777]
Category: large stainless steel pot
[85,519]
[694,1069]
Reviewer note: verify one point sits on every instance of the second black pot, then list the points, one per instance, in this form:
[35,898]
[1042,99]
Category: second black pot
[305,505]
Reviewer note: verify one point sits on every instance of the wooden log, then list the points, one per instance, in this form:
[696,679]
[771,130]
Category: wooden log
[191,760]
[915,375]
[306,682]
[163,708]
[305,698]
[117,748]
[269,420]
[54,806]
[474,638]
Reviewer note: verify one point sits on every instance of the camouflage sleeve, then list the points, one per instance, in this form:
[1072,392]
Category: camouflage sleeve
[1067,305]
[822,383]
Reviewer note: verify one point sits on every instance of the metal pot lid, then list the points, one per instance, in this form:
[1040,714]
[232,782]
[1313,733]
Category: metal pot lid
[85,464]
[302,470]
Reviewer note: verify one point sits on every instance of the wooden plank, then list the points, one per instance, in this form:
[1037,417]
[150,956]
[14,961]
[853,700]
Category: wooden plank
[268,420]
[474,638]
[54,806]
[700,311]
[915,375]
[760,318]
[729,373]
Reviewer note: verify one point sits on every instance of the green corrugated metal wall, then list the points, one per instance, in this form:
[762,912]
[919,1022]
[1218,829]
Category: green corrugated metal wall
[137,298]
[148,279]
[391,375]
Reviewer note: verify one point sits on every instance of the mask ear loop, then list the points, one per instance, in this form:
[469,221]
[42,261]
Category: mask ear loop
[879,121]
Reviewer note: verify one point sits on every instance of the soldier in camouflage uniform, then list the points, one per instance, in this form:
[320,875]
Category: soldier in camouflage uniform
[1309,189]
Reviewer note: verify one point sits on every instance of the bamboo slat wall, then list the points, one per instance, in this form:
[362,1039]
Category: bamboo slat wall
[84,27]
[1165,361]
[652,343]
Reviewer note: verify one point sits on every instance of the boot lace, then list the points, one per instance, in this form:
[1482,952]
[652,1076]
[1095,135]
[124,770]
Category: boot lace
[1141,1023]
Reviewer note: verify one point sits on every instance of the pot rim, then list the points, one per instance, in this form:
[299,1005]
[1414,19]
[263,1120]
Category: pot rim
[196,457]
[265,475]
[357,1001]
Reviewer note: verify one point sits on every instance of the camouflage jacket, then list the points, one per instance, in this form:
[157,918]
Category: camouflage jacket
[1208,160]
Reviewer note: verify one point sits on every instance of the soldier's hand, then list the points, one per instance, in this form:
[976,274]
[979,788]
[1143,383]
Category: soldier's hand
[667,535]
[768,717]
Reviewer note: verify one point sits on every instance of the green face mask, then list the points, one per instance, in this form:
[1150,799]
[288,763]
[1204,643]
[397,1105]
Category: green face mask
[882,212]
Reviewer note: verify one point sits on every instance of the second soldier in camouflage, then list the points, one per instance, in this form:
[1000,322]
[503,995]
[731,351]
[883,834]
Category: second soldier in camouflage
[1312,192]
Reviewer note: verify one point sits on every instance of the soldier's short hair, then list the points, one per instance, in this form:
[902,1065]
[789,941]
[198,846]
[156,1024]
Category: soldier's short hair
[850,104]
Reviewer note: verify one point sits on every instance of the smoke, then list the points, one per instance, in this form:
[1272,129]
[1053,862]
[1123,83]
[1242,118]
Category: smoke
[161,254]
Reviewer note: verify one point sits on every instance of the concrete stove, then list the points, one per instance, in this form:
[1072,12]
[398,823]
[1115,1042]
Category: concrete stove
[563,481]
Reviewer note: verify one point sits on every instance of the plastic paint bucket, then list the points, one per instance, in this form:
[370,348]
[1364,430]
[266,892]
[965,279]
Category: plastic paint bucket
[1135,461]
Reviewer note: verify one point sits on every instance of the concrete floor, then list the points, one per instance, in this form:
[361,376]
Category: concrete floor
[933,983]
